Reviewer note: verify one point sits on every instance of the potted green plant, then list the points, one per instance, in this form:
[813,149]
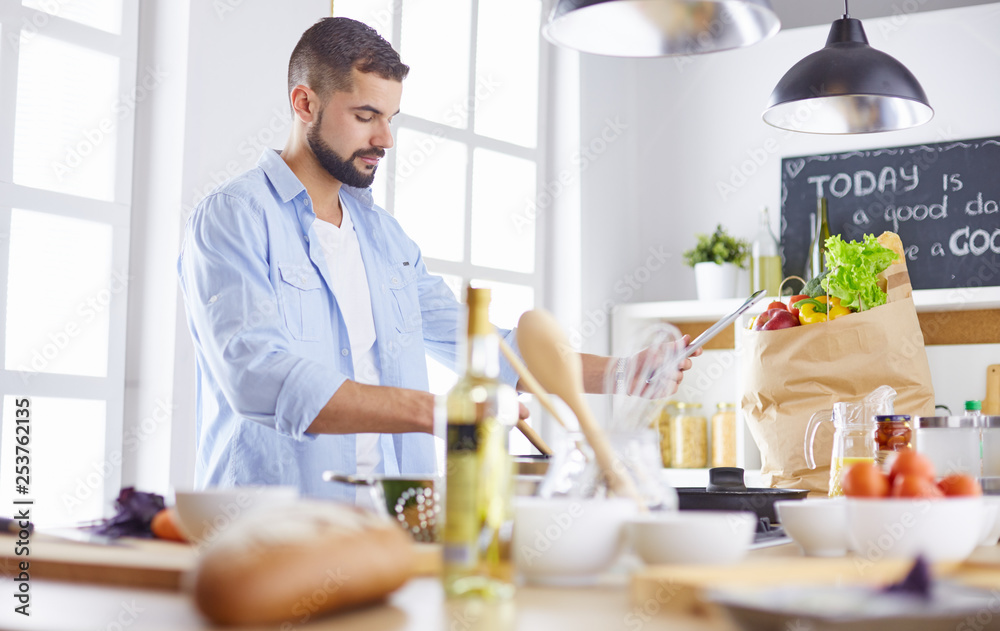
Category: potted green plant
[717,260]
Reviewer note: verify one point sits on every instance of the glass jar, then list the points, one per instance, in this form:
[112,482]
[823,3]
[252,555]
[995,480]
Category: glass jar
[952,443]
[663,422]
[893,433]
[689,437]
[724,435]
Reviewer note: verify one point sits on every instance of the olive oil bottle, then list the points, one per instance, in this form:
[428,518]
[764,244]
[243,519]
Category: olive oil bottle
[481,411]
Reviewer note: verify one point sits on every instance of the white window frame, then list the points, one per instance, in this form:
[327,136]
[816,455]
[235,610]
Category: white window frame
[465,269]
[117,213]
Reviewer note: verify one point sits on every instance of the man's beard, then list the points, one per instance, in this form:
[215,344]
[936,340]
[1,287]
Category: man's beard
[343,170]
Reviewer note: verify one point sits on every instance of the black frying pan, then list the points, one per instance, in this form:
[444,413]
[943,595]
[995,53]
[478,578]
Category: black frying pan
[727,491]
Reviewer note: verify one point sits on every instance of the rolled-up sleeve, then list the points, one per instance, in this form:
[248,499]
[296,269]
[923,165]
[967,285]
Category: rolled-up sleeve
[236,323]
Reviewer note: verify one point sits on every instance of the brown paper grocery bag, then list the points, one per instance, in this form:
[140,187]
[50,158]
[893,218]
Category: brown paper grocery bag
[789,374]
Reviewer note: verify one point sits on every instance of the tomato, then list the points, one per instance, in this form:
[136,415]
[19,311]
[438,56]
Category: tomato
[796,298]
[908,485]
[910,463]
[957,484]
[864,479]
[777,304]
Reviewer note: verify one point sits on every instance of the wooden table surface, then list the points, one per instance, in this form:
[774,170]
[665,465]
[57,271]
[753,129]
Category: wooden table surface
[622,601]
[418,606]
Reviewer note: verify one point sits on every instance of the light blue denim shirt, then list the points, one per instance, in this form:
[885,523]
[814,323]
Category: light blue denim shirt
[270,341]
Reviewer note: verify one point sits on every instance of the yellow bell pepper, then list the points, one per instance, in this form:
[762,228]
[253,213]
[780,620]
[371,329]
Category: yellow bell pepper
[812,310]
[836,309]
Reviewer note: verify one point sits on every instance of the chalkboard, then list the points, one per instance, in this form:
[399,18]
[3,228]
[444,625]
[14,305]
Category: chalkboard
[942,199]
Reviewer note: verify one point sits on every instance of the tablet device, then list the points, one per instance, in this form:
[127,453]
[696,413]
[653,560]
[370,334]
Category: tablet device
[717,328]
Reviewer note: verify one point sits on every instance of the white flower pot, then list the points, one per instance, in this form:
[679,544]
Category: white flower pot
[716,282]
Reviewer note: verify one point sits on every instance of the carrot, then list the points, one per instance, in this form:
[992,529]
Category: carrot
[164,526]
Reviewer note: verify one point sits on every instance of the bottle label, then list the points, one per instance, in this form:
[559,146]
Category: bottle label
[461,525]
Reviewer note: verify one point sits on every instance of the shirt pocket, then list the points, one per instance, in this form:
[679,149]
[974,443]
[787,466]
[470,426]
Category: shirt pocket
[403,287]
[303,298]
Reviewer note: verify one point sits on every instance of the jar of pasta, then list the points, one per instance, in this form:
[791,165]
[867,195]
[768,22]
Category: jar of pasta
[663,423]
[689,437]
[724,435]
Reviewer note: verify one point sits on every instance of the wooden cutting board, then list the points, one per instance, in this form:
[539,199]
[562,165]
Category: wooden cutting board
[136,563]
[991,402]
[682,588]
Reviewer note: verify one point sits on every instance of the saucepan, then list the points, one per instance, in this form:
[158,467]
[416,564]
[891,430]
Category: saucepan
[413,501]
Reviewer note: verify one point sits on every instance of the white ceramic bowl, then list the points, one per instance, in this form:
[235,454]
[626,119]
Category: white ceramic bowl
[711,537]
[991,521]
[942,529]
[205,515]
[818,525]
[568,540]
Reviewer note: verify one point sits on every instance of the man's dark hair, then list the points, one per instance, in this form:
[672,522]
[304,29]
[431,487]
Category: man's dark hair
[332,47]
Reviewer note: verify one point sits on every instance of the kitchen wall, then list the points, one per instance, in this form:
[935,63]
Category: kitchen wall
[678,144]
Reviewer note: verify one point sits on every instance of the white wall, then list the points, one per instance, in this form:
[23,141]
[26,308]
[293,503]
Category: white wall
[223,100]
[694,122]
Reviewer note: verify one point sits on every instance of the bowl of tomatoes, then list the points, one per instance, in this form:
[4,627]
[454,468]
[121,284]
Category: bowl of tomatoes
[908,511]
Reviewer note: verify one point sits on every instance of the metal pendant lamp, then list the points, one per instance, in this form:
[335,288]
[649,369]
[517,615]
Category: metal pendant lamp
[848,87]
[659,28]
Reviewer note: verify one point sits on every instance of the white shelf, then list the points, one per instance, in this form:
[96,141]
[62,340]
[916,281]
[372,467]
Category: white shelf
[714,377]
[703,310]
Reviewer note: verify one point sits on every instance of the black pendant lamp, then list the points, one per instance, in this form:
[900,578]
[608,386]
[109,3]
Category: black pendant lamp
[848,87]
[659,28]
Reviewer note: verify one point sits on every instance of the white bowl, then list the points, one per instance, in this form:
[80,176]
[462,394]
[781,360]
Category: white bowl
[568,540]
[711,537]
[204,515]
[942,529]
[991,521]
[818,525]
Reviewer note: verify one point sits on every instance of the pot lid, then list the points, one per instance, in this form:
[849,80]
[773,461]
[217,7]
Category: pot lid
[729,481]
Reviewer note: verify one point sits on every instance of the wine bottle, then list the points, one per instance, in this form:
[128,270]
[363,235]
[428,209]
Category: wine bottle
[765,258]
[816,262]
[481,411]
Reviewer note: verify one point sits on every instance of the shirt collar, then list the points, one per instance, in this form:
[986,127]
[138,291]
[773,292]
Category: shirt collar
[288,186]
[280,174]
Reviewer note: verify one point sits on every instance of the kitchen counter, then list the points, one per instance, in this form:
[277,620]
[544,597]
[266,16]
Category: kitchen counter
[618,602]
[419,605]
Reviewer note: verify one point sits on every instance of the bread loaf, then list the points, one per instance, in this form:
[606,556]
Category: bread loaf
[311,558]
[892,241]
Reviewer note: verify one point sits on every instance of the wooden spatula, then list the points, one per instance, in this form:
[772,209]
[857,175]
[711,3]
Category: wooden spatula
[549,357]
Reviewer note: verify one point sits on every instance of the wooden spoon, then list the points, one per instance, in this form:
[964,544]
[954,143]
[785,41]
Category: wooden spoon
[530,383]
[548,355]
[533,437]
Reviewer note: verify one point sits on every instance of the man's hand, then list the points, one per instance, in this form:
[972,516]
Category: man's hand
[658,380]
[652,376]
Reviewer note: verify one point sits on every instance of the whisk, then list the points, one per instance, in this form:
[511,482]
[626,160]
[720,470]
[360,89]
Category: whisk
[648,378]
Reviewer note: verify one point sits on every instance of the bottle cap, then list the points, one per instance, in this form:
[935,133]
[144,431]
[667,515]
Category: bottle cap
[974,405]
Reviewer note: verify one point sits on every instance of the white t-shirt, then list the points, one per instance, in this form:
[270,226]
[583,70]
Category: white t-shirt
[350,286]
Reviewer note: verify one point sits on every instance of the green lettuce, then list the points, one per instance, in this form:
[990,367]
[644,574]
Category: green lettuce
[854,268]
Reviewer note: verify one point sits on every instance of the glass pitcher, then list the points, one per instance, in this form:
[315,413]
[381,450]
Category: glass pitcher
[854,430]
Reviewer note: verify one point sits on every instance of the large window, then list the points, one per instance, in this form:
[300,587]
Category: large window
[68,90]
[464,174]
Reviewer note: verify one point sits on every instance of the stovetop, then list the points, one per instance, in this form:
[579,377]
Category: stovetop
[769,534]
